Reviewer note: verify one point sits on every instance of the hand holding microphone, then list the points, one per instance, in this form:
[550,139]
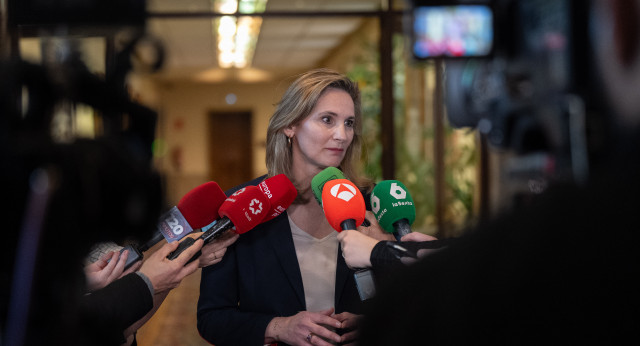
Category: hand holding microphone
[196,209]
[344,208]
[166,274]
[356,248]
[266,201]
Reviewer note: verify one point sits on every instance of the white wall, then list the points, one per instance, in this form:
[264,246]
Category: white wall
[183,109]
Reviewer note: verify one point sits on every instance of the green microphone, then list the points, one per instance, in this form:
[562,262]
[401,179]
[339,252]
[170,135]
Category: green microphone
[327,174]
[393,207]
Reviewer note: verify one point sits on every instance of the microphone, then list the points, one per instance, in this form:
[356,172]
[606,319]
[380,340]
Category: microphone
[243,210]
[281,193]
[343,204]
[344,208]
[393,207]
[197,209]
[318,181]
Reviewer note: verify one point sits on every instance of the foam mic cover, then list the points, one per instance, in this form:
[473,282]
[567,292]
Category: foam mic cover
[280,191]
[393,207]
[343,204]
[196,209]
[246,208]
[200,205]
[318,181]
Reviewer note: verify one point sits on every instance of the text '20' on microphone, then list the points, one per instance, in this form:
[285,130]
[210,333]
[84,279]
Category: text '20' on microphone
[393,207]
[196,209]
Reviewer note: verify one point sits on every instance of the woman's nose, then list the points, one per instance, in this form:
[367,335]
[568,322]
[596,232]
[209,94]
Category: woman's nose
[340,133]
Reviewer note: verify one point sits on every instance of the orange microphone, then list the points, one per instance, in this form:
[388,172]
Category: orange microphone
[343,204]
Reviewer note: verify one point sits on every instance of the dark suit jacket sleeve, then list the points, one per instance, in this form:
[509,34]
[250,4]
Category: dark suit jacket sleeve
[110,310]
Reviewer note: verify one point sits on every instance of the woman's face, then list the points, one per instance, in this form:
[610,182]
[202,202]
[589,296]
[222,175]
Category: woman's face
[322,138]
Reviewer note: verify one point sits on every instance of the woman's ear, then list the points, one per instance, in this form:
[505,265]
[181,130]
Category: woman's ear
[290,131]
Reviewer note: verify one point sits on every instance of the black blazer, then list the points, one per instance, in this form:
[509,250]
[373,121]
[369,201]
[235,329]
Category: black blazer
[259,279]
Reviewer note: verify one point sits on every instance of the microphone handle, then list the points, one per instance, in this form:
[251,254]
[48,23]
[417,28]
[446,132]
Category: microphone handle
[348,224]
[402,228]
[186,243]
[217,230]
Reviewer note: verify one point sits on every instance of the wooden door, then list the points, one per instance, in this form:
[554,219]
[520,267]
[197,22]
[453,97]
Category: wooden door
[230,150]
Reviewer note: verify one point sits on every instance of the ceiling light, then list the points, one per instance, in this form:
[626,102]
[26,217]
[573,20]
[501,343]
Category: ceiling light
[237,35]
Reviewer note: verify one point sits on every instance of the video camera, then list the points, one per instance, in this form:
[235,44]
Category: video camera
[518,71]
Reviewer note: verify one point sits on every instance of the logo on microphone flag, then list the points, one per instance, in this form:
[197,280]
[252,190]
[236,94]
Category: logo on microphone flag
[258,209]
[397,191]
[343,191]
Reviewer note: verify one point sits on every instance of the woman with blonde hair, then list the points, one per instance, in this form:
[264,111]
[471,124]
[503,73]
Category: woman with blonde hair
[286,281]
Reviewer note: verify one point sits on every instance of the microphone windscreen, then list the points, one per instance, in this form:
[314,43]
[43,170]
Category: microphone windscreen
[318,181]
[341,200]
[246,208]
[200,205]
[281,193]
[391,202]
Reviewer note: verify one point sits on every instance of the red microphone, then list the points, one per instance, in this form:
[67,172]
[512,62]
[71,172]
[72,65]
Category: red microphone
[281,193]
[196,209]
[243,210]
[200,205]
[343,204]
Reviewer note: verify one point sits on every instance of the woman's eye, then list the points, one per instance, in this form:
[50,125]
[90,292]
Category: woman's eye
[326,120]
[350,123]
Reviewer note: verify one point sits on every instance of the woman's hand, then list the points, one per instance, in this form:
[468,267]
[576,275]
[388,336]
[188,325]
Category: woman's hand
[213,252]
[350,325]
[304,328]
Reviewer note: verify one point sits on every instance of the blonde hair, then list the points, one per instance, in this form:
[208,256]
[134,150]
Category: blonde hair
[296,104]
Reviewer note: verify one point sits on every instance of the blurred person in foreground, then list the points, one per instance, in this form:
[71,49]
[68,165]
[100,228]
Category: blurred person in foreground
[563,271]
